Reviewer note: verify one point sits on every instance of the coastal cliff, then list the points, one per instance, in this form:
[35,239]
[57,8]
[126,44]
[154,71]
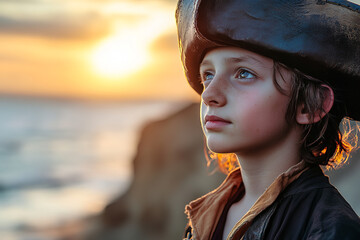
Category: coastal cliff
[170,170]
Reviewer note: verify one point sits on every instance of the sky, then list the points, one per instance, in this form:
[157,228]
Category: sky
[98,49]
[102,49]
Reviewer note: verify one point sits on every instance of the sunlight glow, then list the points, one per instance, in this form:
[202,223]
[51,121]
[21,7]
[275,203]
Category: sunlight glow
[126,51]
[120,55]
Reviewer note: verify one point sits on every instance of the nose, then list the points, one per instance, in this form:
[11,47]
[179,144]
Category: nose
[214,94]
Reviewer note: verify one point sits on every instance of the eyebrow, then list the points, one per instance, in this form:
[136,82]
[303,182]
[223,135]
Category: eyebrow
[242,59]
[233,60]
[204,63]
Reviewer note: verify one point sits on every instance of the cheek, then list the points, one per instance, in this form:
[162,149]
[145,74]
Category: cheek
[265,114]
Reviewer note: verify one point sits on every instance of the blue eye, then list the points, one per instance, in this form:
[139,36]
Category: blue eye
[244,74]
[207,76]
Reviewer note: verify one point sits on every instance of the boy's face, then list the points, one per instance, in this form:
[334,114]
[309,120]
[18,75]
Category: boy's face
[242,111]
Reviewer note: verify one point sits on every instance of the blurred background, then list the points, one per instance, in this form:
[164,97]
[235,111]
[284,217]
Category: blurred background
[91,91]
[78,78]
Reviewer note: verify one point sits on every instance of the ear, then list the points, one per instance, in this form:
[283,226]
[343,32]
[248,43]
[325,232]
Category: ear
[304,117]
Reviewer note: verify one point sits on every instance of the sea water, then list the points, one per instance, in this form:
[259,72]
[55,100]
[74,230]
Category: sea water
[61,159]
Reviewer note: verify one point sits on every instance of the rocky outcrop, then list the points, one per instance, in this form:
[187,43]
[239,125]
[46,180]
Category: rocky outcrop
[170,170]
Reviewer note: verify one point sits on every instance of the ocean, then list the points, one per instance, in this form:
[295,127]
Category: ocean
[62,160]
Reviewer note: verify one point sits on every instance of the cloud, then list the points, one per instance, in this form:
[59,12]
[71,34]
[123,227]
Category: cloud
[63,20]
[84,27]
[21,1]
[165,42]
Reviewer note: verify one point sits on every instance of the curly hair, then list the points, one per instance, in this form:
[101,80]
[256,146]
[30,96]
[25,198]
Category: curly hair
[322,142]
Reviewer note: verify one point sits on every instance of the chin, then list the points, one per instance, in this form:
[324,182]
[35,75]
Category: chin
[218,147]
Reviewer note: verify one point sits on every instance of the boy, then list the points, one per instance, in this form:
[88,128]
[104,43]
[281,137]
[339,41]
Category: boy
[276,78]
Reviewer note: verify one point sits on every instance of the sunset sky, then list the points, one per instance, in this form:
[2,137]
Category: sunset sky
[91,49]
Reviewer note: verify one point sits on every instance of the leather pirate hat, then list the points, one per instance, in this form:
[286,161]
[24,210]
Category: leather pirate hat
[318,37]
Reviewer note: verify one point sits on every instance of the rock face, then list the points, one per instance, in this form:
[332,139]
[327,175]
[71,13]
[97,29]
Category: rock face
[170,171]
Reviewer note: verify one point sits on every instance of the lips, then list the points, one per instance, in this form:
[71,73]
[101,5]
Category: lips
[214,123]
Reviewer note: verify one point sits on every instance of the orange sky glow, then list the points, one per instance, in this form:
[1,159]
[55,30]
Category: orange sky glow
[91,49]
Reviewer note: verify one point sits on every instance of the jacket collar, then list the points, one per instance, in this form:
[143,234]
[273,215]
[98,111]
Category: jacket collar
[204,213]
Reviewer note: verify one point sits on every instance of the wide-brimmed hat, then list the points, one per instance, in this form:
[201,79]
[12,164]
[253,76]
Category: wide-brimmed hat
[318,37]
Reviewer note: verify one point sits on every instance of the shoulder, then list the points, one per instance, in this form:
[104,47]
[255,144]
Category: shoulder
[332,217]
[313,209]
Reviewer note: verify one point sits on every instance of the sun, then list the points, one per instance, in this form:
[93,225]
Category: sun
[126,51]
[120,55]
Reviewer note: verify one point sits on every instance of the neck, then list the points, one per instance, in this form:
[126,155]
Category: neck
[260,168]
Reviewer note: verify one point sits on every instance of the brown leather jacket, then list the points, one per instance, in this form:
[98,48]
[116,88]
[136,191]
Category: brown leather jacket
[299,204]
